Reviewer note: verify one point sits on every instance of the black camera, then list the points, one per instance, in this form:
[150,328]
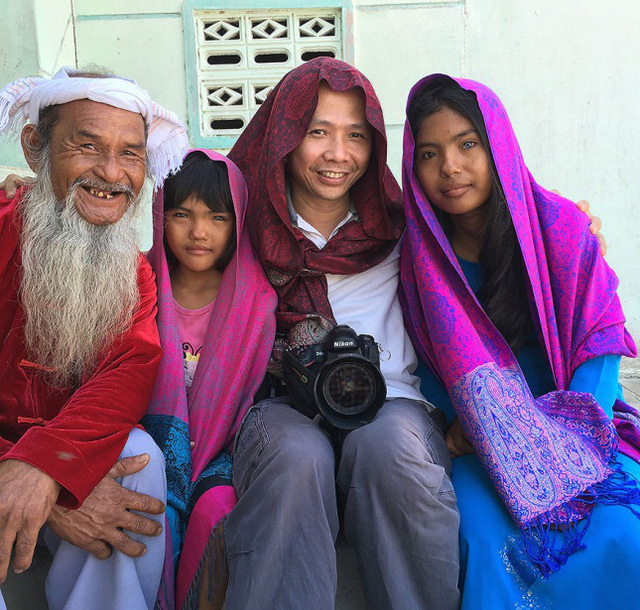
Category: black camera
[339,378]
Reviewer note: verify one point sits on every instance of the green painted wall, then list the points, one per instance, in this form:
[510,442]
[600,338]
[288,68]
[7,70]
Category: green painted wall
[18,57]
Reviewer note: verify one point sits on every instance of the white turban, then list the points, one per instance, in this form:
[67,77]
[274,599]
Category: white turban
[167,142]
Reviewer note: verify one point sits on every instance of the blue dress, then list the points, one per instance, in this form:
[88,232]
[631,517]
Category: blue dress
[604,576]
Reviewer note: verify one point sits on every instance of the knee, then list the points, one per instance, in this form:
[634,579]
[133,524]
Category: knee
[374,446]
[618,532]
[396,445]
[365,457]
[278,445]
[302,453]
[152,478]
[279,439]
[139,442]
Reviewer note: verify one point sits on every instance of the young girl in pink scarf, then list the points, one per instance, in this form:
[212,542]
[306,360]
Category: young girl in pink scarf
[217,326]
[511,306]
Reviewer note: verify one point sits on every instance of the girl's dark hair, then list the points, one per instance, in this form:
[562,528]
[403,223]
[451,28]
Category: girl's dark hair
[207,180]
[504,288]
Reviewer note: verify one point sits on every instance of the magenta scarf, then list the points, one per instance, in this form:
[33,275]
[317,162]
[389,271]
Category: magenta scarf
[238,341]
[231,368]
[549,458]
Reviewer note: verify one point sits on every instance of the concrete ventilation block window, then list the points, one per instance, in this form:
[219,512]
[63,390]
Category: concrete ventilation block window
[241,55]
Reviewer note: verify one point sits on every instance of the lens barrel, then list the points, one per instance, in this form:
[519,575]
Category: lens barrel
[339,378]
[349,391]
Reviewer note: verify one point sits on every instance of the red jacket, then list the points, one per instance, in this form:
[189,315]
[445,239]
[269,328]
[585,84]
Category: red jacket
[74,437]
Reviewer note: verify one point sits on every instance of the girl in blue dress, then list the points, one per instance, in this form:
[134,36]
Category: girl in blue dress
[516,316]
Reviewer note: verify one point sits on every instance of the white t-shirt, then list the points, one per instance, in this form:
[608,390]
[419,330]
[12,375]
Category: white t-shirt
[368,302]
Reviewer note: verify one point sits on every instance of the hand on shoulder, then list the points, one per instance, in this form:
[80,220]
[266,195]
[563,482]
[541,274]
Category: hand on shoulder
[595,224]
[12,183]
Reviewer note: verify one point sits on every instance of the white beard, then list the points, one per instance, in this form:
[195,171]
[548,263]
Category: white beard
[79,288]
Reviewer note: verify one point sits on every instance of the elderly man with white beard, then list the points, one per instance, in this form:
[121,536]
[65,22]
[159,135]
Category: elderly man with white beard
[79,346]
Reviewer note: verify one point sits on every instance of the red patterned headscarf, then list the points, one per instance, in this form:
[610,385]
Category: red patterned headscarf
[294,265]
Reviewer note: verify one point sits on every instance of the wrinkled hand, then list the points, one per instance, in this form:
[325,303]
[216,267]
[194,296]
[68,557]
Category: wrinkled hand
[13,182]
[27,496]
[456,441]
[595,225]
[97,525]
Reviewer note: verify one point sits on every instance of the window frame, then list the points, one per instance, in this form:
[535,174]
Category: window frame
[199,140]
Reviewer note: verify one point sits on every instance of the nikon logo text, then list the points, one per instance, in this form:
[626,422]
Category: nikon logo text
[343,344]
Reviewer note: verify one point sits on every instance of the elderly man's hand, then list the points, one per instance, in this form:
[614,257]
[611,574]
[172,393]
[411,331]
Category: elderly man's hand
[27,496]
[13,182]
[97,526]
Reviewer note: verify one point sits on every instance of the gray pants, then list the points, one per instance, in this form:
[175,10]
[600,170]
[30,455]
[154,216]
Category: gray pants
[78,580]
[399,511]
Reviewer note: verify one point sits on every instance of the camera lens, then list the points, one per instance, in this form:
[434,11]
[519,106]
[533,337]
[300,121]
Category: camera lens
[348,387]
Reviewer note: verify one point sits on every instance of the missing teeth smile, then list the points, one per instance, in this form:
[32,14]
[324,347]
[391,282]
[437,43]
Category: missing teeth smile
[101,194]
[333,174]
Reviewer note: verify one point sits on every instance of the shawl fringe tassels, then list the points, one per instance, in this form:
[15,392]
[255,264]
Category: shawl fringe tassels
[547,543]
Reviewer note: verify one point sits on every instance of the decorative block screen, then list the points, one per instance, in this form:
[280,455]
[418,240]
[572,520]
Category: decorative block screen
[241,55]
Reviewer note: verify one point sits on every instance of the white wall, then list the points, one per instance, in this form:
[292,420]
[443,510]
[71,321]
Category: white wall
[569,75]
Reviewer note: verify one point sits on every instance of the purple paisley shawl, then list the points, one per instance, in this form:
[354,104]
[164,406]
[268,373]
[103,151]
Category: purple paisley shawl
[549,458]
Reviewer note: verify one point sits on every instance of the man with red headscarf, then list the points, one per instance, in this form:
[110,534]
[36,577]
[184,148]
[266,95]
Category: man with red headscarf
[325,216]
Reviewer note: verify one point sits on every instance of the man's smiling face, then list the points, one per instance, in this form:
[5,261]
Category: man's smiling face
[335,151]
[100,149]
